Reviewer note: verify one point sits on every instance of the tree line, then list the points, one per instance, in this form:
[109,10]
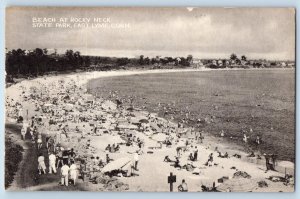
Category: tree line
[32,63]
[39,61]
[20,62]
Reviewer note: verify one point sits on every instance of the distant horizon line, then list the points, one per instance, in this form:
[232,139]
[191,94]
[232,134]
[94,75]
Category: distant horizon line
[61,52]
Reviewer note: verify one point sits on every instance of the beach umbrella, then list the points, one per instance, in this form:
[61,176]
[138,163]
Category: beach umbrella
[196,171]
[130,132]
[163,120]
[47,105]
[89,97]
[130,109]
[140,114]
[181,143]
[148,133]
[121,120]
[144,121]
[155,127]
[159,137]
[141,117]
[134,120]
[184,161]
[172,124]
[238,185]
[109,105]
[153,115]
[69,106]
[93,123]
[127,126]
[286,165]
[117,164]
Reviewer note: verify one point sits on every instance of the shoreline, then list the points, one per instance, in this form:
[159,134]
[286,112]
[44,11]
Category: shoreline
[114,73]
[82,79]
[86,77]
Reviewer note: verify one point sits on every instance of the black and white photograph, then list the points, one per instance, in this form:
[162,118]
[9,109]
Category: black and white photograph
[150,99]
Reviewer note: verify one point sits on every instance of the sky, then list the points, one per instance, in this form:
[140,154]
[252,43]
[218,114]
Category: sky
[257,33]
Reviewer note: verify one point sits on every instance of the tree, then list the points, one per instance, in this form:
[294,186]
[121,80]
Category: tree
[141,61]
[244,58]
[77,59]
[45,51]
[147,61]
[123,61]
[189,58]
[69,54]
[233,56]
[39,61]
[86,61]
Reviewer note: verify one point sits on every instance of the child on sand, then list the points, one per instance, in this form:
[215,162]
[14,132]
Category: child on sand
[183,187]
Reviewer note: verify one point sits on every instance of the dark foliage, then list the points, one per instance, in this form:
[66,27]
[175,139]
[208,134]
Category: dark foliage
[13,156]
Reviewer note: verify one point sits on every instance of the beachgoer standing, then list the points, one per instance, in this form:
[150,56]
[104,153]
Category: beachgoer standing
[39,142]
[73,172]
[59,154]
[136,160]
[107,159]
[245,138]
[257,141]
[195,154]
[222,134]
[41,164]
[52,160]
[23,133]
[71,156]
[201,137]
[65,175]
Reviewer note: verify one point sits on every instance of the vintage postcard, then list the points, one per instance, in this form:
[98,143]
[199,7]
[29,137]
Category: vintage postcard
[150,99]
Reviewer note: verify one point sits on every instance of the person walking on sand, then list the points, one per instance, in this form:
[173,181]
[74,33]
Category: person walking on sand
[52,161]
[201,137]
[195,154]
[41,164]
[135,160]
[65,175]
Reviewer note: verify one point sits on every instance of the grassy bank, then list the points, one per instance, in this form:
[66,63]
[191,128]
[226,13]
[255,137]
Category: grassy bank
[13,156]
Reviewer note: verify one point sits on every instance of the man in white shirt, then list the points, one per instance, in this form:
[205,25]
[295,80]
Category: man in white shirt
[41,165]
[52,160]
[65,175]
[73,172]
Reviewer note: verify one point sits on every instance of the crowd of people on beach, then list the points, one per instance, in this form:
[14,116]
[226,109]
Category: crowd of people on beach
[62,118]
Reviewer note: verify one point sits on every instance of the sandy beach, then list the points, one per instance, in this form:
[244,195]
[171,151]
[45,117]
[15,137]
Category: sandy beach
[153,172]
